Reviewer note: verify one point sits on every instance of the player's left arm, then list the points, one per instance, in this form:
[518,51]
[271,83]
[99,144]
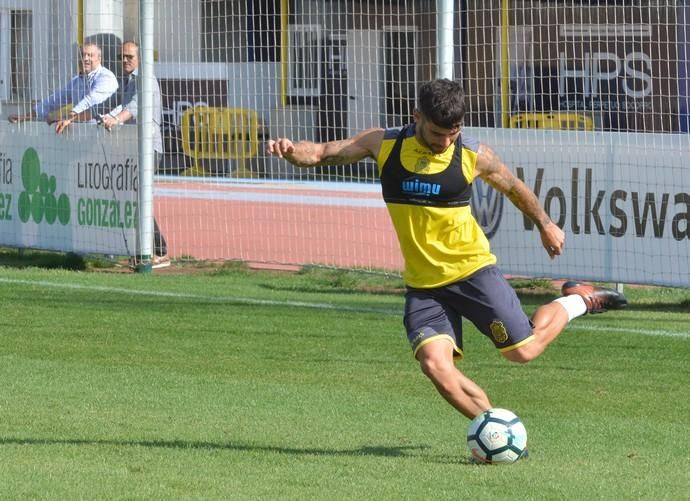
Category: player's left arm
[491,169]
[342,152]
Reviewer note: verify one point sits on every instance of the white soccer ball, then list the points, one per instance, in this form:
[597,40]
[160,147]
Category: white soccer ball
[497,436]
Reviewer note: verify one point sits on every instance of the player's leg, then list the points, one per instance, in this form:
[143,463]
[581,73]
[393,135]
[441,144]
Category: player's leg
[548,322]
[550,319]
[491,304]
[434,330]
[596,299]
[437,363]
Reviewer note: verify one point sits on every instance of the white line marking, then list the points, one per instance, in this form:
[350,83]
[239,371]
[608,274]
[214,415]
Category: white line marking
[275,184]
[243,191]
[276,198]
[303,304]
[632,330]
[220,299]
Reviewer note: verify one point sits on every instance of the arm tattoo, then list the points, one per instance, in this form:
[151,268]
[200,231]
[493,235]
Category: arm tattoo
[517,192]
[524,199]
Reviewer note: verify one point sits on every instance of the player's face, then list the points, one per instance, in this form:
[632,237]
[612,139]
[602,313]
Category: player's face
[90,58]
[130,59]
[434,137]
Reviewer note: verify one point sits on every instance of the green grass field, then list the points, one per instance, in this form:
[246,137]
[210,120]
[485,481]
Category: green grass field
[229,384]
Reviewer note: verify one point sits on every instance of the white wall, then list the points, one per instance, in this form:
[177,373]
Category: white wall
[177,31]
[104,16]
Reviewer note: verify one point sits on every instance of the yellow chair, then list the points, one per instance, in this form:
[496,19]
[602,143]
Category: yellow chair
[217,133]
[553,120]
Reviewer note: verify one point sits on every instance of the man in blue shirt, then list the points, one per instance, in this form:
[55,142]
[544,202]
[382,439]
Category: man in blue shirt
[85,91]
[126,113]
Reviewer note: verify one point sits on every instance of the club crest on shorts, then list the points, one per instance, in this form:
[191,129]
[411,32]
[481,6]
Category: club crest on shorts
[498,331]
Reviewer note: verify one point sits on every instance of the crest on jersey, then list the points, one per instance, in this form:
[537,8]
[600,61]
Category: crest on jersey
[421,165]
[487,207]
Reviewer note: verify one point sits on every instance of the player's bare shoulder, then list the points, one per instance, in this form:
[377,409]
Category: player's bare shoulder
[370,140]
[345,151]
[491,169]
[488,162]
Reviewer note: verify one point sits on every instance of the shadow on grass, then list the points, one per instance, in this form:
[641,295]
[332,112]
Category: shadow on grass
[683,306]
[185,444]
[407,451]
[24,258]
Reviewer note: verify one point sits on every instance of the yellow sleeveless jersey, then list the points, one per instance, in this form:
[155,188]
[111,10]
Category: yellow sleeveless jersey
[428,199]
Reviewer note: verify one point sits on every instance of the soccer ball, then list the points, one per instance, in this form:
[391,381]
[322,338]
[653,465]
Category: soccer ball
[497,436]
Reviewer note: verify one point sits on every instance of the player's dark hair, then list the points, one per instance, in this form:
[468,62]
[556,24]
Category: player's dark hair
[443,102]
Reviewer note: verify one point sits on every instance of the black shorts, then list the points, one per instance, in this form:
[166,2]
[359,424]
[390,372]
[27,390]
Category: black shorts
[486,299]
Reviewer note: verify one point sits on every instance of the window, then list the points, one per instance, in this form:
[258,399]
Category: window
[400,73]
[240,31]
[304,70]
[223,31]
[5,71]
[15,54]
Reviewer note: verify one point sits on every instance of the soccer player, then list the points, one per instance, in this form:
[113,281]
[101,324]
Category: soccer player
[426,169]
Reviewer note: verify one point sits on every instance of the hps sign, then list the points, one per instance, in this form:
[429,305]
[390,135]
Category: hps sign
[605,67]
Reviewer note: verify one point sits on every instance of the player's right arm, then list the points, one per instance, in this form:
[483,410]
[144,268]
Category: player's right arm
[308,154]
[492,170]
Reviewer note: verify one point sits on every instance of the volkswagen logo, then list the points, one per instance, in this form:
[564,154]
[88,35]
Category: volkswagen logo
[487,207]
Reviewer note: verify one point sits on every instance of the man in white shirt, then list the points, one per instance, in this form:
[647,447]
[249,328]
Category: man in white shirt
[91,87]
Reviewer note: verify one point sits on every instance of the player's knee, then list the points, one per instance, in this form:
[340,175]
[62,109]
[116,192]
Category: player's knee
[520,355]
[439,377]
[429,367]
[436,362]
[438,371]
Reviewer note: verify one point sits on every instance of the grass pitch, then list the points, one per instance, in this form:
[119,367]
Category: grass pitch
[259,385]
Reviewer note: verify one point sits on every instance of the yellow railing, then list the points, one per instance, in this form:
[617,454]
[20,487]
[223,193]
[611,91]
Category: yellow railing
[554,120]
[216,133]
